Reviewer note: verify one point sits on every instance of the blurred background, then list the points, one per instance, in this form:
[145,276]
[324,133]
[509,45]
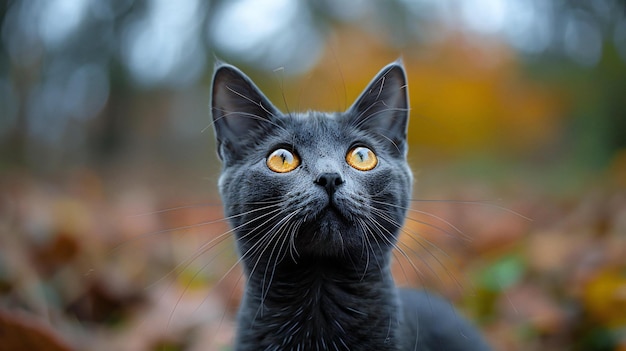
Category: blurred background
[111,226]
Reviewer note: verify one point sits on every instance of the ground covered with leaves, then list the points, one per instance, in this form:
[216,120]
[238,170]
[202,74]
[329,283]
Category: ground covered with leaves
[90,265]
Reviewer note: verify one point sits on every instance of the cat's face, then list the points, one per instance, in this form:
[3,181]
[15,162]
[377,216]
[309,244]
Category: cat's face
[312,184]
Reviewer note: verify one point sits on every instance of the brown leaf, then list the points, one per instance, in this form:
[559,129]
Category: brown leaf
[20,332]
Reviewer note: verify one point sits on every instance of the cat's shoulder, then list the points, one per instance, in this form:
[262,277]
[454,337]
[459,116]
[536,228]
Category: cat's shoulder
[431,323]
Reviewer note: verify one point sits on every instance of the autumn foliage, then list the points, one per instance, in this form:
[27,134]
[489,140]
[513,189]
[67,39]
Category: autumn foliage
[129,254]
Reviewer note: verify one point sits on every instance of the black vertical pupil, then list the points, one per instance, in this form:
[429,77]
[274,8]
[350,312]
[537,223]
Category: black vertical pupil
[362,154]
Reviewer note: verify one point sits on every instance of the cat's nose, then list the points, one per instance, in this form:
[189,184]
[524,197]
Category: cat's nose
[330,181]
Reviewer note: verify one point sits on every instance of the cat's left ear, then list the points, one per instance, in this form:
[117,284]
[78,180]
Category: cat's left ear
[383,107]
[240,111]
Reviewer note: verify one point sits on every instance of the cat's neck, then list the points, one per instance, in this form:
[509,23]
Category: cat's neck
[324,303]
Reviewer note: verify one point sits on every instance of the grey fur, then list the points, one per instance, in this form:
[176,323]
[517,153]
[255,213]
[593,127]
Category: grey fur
[317,261]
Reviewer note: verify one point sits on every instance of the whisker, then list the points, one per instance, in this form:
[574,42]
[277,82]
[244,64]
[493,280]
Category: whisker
[282,87]
[252,101]
[178,208]
[446,222]
[373,236]
[228,300]
[393,244]
[182,266]
[476,202]
[188,285]
[430,253]
[210,244]
[397,249]
[248,115]
[382,135]
[365,229]
[259,245]
[163,231]
[378,113]
[292,243]
[276,232]
[186,227]
[447,233]
[188,261]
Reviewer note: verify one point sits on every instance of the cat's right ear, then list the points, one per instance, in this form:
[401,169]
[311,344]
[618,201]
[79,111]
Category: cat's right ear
[240,110]
[383,107]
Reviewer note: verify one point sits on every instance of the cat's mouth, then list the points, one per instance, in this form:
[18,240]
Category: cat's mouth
[333,210]
[327,232]
[333,213]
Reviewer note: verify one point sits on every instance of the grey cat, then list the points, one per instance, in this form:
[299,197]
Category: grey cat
[316,201]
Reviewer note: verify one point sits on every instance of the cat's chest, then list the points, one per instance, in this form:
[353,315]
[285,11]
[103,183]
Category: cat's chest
[322,317]
[303,330]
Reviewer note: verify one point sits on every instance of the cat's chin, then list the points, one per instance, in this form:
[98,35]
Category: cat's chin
[330,233]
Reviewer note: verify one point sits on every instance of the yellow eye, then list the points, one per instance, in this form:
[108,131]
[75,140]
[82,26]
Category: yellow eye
[361,158]
[282,161]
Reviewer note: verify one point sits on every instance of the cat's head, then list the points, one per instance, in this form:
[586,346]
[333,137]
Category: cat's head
[312,184]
